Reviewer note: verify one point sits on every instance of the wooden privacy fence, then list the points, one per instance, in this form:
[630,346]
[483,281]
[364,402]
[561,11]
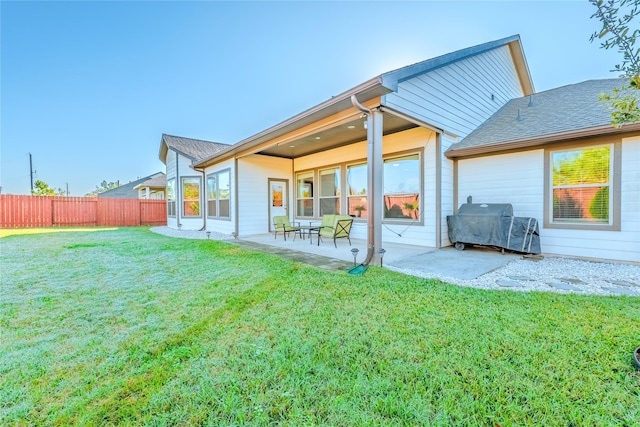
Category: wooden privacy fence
[50,211]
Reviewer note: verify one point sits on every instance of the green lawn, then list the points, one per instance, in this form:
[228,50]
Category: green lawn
[125,327]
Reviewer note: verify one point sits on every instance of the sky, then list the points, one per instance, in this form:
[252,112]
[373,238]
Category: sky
[88,88]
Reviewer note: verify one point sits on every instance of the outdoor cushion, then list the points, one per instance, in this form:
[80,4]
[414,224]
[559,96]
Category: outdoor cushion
[340,226]
[328,227]
[282,224]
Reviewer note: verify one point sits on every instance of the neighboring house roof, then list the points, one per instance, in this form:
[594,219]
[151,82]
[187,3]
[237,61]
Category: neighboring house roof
[376,87]
[194,149]
[127,191]
[558,114]
[155,182]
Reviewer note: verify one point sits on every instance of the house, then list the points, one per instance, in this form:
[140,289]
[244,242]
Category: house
[183,182]
[555,156]
[152,188]
[391,153]
[130,190]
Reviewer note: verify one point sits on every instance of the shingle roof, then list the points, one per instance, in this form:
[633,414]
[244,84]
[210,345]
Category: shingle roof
[560,111]
[157,181]
[128,191]
[195,149]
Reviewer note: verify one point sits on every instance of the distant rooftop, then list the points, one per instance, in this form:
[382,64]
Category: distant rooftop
[128,191]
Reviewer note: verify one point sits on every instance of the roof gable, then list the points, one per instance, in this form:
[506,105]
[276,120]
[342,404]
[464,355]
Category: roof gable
[560,113]
[193,149]
[391,79]
[371,89]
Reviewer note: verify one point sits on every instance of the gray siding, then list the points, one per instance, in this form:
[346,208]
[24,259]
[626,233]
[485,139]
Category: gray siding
[457,97]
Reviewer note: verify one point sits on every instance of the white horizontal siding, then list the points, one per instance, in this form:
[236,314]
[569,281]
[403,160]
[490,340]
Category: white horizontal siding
[171,164]
[176,170]
[253,187]
[510,178]
[458,97]
[172,222]
[185,170]
[224,226]
[518,179]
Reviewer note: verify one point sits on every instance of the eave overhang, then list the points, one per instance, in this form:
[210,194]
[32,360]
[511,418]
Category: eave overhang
[543,140]
[367,91]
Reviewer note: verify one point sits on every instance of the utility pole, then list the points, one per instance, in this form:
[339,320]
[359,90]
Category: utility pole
[31,170]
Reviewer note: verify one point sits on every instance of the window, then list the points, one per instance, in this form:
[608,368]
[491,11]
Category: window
[171,197]
[402,187]
[304,194]
[581,185]
[218,194]
[191,197]
[357,190]
[330,191]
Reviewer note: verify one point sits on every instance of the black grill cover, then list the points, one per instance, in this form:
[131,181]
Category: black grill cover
[494,225]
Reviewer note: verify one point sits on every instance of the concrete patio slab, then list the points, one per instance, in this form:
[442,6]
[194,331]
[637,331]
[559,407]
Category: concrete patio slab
[468,264]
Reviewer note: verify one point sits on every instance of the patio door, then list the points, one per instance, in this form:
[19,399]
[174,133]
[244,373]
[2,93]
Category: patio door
[278,199]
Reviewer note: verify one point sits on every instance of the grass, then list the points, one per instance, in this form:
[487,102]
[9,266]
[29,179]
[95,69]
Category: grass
[125,327]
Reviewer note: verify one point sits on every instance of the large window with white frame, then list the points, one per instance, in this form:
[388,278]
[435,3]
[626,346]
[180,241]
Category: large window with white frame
[402,187]
[329,196]
[581,187]
[171,197]
[191,197]
[357,190]
[305,194]
[218,194]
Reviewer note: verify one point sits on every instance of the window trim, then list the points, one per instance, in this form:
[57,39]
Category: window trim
[344,191]
[217,199]
[614,183]
[182,200]
[339,196]
[314,190]
[169,201]
[421,197]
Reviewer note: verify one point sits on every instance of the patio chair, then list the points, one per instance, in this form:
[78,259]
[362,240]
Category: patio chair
[283,225]
[340,227]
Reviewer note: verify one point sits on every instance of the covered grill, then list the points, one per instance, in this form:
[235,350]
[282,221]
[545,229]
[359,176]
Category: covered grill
[493,224]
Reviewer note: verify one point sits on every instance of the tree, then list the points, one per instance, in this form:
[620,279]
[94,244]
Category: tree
[104,186]
[619,30]
[43,189]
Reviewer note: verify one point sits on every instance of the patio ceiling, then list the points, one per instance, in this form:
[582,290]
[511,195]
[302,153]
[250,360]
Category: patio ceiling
[344,133]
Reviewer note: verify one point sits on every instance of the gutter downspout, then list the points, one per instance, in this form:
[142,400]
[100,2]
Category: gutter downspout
[202,195]
[236,202]
[438,190]
[374,178]
[178,202]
